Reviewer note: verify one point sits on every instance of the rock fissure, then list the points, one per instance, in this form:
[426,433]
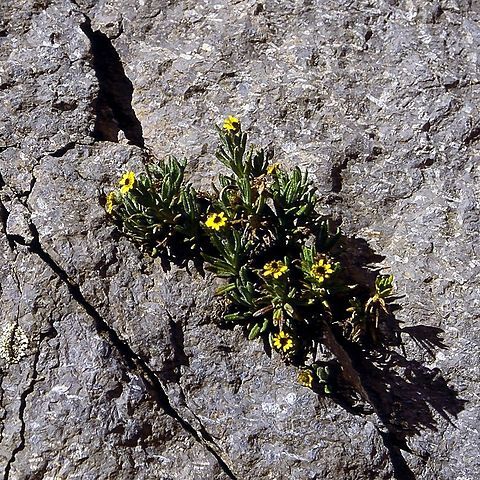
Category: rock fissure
[393,443]
[23,406]
[60,152]
[6,147]
[4,415]
[336,173]
[23,196]
[4,214]
[30,388]
[134,362]
[113,105]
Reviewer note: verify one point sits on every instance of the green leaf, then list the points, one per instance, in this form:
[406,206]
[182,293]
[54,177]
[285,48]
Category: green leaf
[243,274]
[246,192]
[265,325]
[254,332]
[234,317]
[225,289]
[277,315]
[384,285]
[322,374]
[289,309]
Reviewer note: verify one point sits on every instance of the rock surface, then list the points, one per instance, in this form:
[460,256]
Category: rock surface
[126,374]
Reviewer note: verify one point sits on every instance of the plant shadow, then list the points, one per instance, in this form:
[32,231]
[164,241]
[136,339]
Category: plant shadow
[376,377]
[404,393]
[369,377]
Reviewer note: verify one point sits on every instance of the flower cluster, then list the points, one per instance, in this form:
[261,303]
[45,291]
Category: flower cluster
[258,230]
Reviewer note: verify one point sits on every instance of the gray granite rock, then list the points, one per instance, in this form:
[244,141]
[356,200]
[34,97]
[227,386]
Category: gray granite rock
[126,373]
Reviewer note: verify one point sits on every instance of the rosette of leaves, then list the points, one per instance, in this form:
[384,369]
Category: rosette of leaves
[159,210]
[281,261]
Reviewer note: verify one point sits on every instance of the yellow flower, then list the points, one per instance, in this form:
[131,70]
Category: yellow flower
[282,341]
[321,270]
[215,221]
[305,378]
[231,124]
[271,169]
[276,268]
[127,182]
[110,203]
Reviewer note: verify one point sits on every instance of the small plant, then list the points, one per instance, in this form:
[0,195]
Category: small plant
[157,209]
[260,231]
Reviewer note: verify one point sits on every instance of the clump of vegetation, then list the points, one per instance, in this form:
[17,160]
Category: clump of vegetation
[260,231]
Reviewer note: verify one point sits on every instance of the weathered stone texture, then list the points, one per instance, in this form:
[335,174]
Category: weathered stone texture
[127,375]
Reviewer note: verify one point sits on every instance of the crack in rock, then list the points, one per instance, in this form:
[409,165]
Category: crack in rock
[392,442]
[4,214]
[15,277]
[113,105]
[4,414]
[133,361]
[63,150]
[23,405]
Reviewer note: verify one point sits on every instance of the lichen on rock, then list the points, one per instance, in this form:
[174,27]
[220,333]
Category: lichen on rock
[13,343]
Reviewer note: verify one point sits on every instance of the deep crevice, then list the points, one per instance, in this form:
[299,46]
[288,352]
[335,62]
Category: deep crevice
[4,415]
[23,405]
[113,105]
[134,362]
[60,152]
[338,168]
